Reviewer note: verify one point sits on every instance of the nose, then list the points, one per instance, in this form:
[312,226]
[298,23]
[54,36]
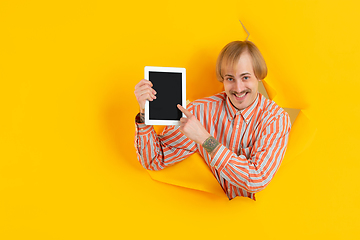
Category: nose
[239,86]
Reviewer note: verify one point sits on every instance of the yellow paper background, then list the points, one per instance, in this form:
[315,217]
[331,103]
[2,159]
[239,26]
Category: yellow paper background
[68,168]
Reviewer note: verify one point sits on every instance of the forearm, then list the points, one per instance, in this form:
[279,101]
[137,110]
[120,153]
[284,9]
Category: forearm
[252,170]
[241,171]
[146,145]
[223,160]
[157,152]
[253,166]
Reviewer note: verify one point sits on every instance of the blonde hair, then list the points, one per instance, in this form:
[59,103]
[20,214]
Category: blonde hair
[231,53]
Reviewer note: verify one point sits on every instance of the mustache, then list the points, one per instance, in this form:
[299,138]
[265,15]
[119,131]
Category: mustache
[240,93]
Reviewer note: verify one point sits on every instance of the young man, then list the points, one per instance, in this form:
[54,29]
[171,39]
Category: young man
[241,135]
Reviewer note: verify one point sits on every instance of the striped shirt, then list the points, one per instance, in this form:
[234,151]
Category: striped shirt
[253,143]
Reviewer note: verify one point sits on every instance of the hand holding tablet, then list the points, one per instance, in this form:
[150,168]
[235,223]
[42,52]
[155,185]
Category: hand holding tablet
[144,92]
[169,85]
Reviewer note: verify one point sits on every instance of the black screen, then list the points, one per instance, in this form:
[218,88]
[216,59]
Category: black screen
[169,92]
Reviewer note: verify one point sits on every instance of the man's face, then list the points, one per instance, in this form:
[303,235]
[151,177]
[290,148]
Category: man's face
[241,86]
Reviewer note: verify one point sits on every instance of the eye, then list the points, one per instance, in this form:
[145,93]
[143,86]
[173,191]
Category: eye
[230,79]
[246,77]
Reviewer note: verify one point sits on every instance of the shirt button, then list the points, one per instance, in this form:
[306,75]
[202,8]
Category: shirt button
[237,126]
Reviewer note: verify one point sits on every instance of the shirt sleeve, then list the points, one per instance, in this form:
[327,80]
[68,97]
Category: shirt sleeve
[254,173]
[157,152]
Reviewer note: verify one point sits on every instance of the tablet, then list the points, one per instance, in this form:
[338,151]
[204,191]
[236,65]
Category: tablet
[170,86]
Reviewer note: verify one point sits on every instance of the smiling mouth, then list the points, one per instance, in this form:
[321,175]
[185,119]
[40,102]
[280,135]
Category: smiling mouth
[240,96]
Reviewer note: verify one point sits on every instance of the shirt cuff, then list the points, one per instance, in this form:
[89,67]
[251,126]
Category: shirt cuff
[221,158]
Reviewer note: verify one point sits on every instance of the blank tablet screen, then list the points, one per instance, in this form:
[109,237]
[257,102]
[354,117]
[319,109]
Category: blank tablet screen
[168,87]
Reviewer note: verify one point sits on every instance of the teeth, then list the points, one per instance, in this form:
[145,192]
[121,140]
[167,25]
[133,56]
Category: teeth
[240,95]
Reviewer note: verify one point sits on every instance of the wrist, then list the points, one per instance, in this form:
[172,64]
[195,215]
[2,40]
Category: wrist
[142,117]
[204,138]
[210,144]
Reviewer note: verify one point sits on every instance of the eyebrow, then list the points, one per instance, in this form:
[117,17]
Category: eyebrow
[245,73]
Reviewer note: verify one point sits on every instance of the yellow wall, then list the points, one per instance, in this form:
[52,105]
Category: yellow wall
[68,168]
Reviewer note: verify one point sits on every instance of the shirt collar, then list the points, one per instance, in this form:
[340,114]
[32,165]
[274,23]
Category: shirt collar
[246,113]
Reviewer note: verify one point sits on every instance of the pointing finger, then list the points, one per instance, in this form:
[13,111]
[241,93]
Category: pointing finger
[186,112]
